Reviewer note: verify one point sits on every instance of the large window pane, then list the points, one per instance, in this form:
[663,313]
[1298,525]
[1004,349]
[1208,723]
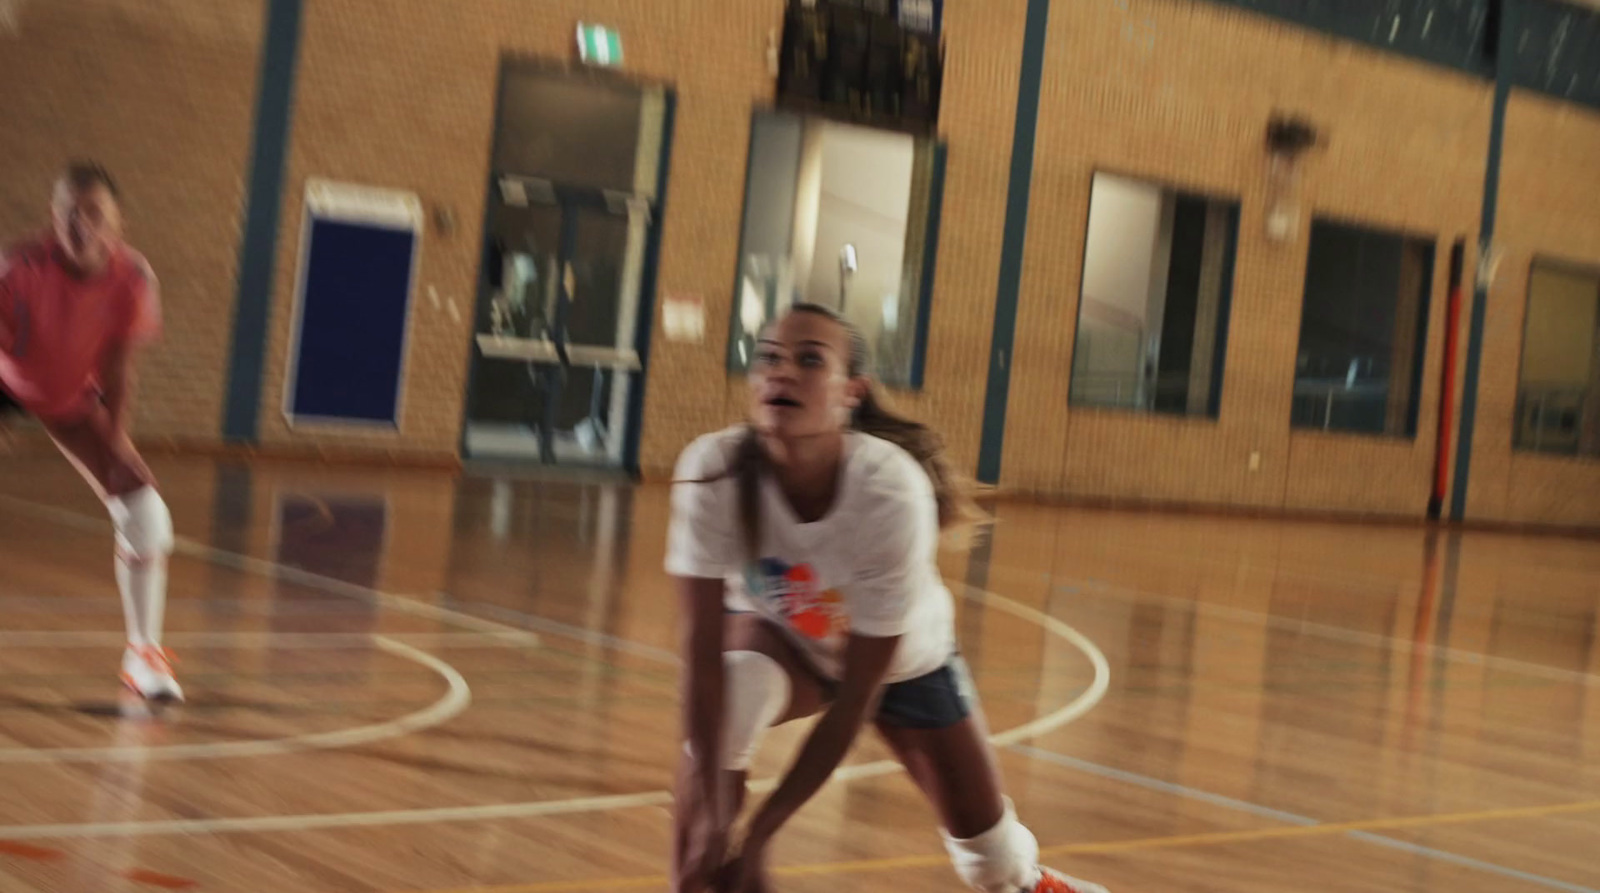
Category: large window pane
[1558,392]
[835,215]
[1363,330]
[1153,315]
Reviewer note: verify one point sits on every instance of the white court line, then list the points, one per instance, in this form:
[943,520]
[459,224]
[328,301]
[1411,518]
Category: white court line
[1047,723]
[108,602]
[1167,787]
[1347,579]
[255,639]
[523,620]
[1083,704]
[1323,630]
[1468,862]
[267,824]
[1164,787]
[446,708]
[273,570]
[1080,705]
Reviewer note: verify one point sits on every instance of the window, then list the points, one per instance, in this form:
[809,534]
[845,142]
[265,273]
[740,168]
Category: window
[578,129]
[842,216]
[1558,391]
[1153,313]
[1363,330]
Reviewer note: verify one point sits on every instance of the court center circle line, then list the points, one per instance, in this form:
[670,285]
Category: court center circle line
[1076,708]
[275,570]
[455,700]
[281,641]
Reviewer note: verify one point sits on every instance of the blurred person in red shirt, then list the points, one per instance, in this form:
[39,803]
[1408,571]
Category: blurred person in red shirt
[75,304]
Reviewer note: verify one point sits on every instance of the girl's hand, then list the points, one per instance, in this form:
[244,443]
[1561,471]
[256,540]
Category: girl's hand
[747,873]
[704,848]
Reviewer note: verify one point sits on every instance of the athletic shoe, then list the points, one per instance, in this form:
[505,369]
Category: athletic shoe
[1055,882]
[147,670]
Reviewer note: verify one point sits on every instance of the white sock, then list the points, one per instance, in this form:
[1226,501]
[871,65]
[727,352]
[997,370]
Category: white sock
[132,605]
[1003,859]
[144,540]
[144,598]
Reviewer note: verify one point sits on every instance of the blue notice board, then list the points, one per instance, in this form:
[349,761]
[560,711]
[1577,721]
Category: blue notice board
[358,260]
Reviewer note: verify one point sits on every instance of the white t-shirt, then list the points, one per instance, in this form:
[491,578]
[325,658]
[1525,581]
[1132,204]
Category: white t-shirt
[868,566]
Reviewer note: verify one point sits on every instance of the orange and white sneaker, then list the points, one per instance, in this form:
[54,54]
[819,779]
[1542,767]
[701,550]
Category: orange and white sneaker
[147,670]
[1055,882]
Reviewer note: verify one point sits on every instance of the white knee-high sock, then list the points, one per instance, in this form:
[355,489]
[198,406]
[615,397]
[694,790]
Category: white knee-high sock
[132,605]
[144,540]
[1003,859]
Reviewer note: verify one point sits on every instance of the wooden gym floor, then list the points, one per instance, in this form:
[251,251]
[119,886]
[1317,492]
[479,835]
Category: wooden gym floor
[408,682]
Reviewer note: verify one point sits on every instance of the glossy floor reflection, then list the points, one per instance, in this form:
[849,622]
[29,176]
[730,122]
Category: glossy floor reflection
[412,682]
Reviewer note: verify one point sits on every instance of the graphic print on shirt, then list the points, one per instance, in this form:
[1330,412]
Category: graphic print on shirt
[812,612]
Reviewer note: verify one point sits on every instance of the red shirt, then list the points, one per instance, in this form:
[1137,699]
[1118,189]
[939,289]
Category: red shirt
[56,330]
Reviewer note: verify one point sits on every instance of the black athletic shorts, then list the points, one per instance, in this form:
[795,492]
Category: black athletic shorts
[936,700]
[8,406]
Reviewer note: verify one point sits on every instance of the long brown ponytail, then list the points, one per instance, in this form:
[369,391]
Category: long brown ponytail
[957,511]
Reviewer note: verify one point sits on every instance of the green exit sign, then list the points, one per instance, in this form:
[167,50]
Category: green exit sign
[599,45]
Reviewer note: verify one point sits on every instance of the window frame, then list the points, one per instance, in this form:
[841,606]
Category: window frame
[915,373]
[1230,270]
[1558,263]
[1425,311]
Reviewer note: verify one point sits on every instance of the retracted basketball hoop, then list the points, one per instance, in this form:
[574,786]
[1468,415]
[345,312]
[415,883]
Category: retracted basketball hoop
[1288,138]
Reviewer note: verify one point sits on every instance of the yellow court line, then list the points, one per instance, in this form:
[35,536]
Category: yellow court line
[1218,838]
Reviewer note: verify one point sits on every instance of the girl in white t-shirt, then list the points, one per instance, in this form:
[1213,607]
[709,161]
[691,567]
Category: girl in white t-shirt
[804,548]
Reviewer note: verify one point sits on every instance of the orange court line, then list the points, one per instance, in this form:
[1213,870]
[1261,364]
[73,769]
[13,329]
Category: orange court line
[157,879]
[28,851]
[138,875]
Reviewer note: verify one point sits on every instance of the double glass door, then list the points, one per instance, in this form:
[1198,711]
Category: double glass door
[557,325]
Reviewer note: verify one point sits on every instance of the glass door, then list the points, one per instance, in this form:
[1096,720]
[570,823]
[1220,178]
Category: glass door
[555,336]
[575,176]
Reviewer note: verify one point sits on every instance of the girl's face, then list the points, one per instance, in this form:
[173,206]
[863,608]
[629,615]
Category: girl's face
[88,224]
[800,382]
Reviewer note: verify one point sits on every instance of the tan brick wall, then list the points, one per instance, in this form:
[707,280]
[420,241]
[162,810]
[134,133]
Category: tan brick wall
[1180,93]
[1549,196]
[426,126]
[979,115]
[161,92]
[400,93]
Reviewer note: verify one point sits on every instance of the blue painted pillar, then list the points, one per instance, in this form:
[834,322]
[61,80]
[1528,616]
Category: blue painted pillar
[1013,242]
[1505,56]
[263,204]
